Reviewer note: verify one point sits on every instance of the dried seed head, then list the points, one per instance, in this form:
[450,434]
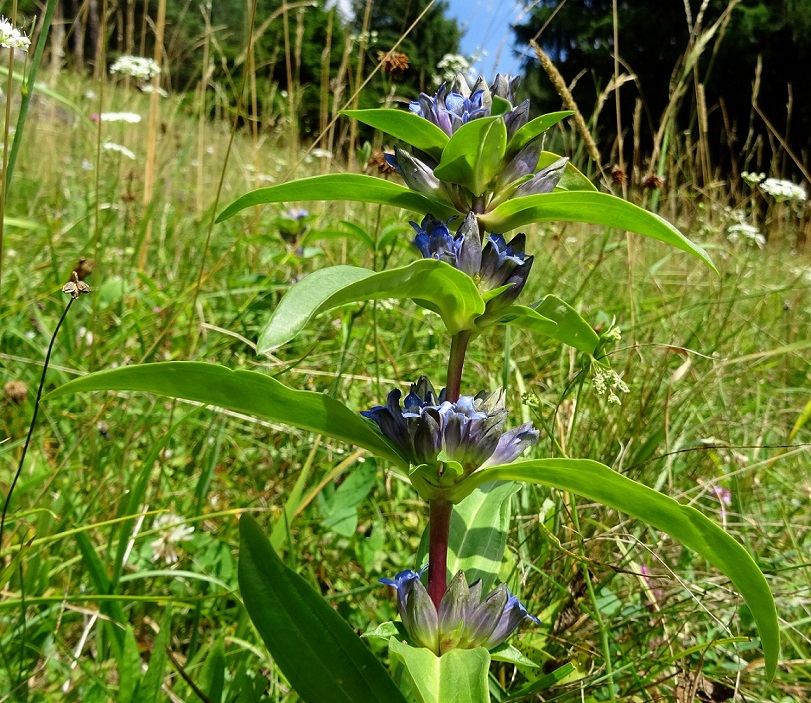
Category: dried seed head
[16,392]
[74,288]
[393,62]
[652,182]
[619,176]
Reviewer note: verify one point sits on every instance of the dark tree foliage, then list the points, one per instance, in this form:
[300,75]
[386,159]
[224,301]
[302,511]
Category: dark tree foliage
[434,36]
[654,36]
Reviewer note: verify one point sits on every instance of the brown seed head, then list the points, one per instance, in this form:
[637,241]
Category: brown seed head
[74,288]
[652,182]
[16,392]
[619,176]
[393,62]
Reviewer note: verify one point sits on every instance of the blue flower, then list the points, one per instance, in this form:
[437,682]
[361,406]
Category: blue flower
[464,619]
[462,251]
[453,106]
[467,434]
[504,264]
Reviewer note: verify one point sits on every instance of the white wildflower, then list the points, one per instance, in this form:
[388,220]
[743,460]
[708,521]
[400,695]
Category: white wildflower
[451,65]
[172,532]
[131,117]
[608,381]
[321,153]
[149,88]
[614,333]
[752,178]
[136,66]
[112,146]
[746,232]
[782,190]
[11,37]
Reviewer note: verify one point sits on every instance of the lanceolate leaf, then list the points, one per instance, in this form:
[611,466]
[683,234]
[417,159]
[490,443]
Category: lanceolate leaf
[473,155]
[246,392]
[572,179]
[450,292]
[594,208]
[533,128]
[315,648]
[555,318]
[459,675]
[346,187]
[406,126]
[690,527]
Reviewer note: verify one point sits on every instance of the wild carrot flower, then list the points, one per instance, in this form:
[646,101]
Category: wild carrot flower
[130,117]
[464,619]
[11,37]
[136,67]
[782,190]
[119,148]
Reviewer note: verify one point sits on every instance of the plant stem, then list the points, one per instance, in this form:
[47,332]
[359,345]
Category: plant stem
[7,502]
[439,525]
[456,361]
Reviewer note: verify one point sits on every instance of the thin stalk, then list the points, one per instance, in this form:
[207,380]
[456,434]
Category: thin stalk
[456,362]
[439,525]
[33,422]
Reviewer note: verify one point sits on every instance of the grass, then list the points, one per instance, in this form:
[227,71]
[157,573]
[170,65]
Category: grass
[718,370]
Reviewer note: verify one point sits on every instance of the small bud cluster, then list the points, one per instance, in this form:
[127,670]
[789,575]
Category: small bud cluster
[11,37]
[609,381]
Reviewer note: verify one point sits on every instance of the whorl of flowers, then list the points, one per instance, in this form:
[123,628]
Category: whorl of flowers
[431,430]
[465,618]
[455,105]
[11,37]
[136,67]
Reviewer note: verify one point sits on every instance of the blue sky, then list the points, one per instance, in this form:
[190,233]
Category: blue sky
[487,24]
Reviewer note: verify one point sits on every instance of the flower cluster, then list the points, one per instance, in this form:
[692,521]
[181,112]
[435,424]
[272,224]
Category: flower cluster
[171,532]
[782,190]
[496,265]
[453,106]
[11,37]
[464,619]
[136,67]
[461,436]
[130,117]
[608,381]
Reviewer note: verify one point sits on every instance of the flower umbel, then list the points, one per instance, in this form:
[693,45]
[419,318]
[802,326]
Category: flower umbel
[11,37]
[464,619]
[451,440]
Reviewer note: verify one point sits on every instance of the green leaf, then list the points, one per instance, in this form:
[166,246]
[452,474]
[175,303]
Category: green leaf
[212,678]
[572,178]
[459,675]
[473,154]
[593,208]
[533,128]
[478,534]
[406,126]
[339,510]
[507,653]
[315,648]
[686,524]
[150,690]
[345,187]
[555,318]
[248,392]
[450,292]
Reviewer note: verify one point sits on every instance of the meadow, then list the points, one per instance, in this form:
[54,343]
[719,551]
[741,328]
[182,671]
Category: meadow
[120,544]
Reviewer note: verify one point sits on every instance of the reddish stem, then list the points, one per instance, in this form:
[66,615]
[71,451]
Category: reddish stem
[439,526]
[456,361]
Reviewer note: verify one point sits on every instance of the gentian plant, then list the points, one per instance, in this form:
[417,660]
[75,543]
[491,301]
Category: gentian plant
[474,168]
